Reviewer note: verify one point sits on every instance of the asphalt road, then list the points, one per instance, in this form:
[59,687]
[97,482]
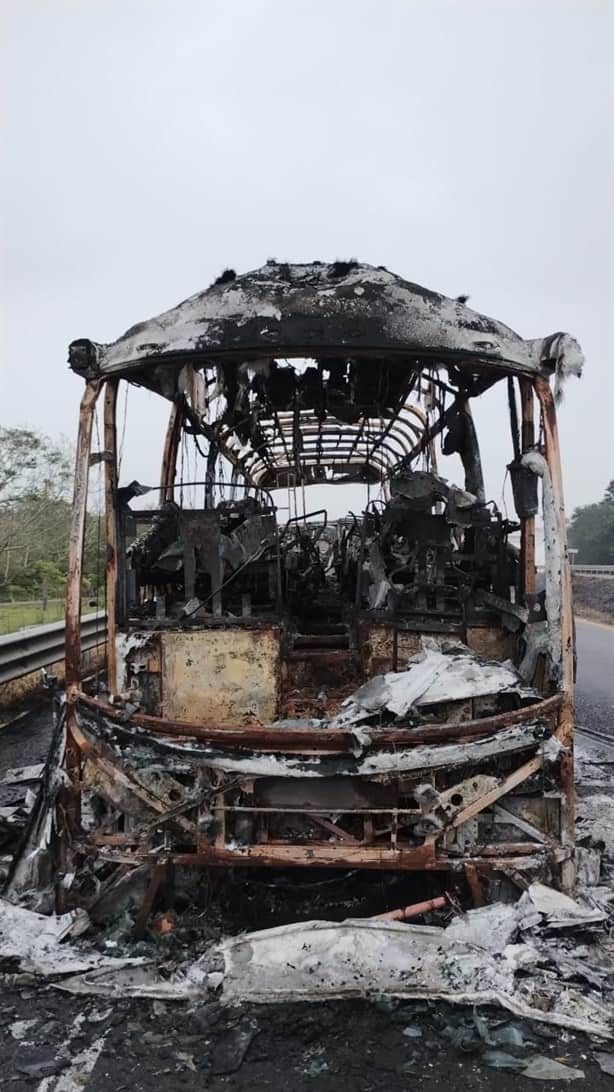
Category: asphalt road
[595,678]
[57,1043]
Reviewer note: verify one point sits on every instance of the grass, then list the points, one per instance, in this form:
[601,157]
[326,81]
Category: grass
[14,616]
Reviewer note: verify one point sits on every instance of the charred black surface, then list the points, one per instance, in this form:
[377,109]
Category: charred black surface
[225,277]
[310,308]
[258,658]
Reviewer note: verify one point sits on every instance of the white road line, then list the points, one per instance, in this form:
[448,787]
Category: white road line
[75,1077]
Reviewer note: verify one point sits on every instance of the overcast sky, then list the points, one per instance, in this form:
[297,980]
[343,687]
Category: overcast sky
[148,144]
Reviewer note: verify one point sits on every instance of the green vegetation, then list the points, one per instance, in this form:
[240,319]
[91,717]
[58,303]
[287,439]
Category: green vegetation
[591,531]
[35,492]
[14,616]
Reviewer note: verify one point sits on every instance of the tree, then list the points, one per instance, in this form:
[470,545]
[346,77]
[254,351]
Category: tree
[31,464]
[35,506]
[35,481]
[591,531]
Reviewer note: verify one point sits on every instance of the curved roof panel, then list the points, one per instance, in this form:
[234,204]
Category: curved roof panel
[293,310]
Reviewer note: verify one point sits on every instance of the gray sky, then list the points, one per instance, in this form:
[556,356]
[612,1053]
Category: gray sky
[148,144]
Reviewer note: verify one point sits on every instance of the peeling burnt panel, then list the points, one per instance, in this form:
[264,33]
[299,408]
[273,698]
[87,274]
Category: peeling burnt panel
[341,269]
[382,690]
[225,277]
[83,357]
[314,307]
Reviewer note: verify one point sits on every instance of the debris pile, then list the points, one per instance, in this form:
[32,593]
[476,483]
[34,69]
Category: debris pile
[443,671]
[507,985]
[501,954]
[509,955]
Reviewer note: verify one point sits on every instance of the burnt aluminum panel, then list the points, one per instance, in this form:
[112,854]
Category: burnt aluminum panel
[311,309]
[224,676]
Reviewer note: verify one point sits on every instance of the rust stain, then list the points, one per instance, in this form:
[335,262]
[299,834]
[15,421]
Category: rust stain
[224,675]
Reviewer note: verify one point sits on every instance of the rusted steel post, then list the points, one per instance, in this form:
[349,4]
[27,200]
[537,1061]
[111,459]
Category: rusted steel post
[404,913]
[73,589]
[155,881]
[77,534]
[472,877]
[169,456]
[566,714]
[553,459]
[110,494]
[527,523]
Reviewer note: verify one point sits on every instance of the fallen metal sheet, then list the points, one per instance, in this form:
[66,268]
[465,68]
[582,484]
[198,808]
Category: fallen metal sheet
[14,817]
[139,978]
[32,872]
[76,1076]
[395,691]
[576,963]
[560,911]
[430,678]
[40,945]
[35,940]
[490,927]
[320,960]
[474,960]
[18,774]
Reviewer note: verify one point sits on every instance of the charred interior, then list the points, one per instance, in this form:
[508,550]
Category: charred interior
[390,688]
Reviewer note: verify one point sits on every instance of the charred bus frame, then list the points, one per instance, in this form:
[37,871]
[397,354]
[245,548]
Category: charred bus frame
[276,777]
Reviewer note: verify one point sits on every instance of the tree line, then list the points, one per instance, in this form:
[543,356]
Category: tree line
[591,531]
[36,474]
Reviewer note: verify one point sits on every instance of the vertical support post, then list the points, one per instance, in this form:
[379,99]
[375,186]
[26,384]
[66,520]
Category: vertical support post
[470,452]
[77,534]
[566,713]
[73,589]
[220,815]
[169,456]
[527,523]
[110,496]
[395,646]
[212,455]
[156,879]
[472,877]
[553,459]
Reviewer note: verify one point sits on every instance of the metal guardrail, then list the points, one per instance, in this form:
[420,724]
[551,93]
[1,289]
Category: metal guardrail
[592,570]
[38,646]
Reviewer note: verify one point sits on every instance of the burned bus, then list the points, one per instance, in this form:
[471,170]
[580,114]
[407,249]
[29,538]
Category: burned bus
[297,682]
